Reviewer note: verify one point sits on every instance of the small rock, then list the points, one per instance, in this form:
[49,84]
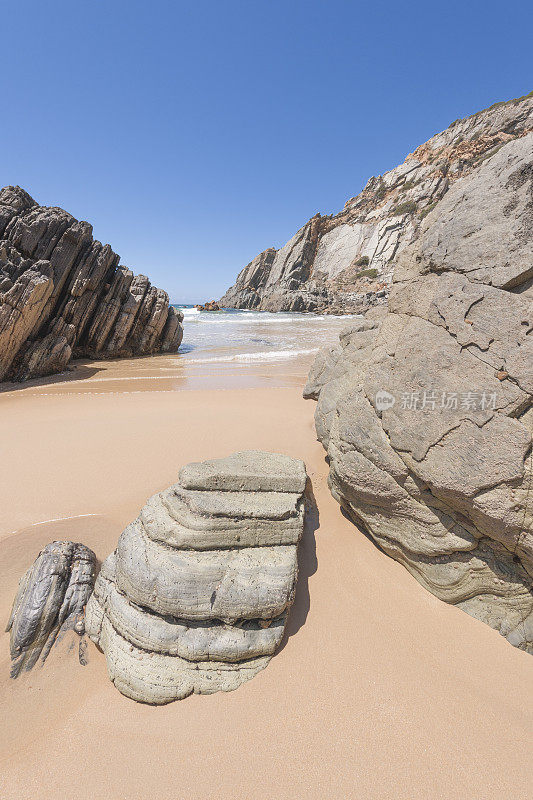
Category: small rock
[51,599]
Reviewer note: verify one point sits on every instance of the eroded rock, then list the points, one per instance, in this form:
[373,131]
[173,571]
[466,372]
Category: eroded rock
[426,412]
[64,295]
[195,598]
[51,599]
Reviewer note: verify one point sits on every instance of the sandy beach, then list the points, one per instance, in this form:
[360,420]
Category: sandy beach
[207,211]
[379,691]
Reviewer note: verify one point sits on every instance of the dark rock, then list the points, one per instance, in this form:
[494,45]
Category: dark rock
[64,295]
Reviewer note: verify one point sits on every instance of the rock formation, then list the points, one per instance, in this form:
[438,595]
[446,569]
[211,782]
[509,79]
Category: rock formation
[195,598]
[51,599]
[425,409]
[64,295]
[344,263]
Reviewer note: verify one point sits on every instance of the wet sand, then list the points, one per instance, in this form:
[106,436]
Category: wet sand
[379,691]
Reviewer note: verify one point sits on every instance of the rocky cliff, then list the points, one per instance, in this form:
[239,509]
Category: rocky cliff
[425,408]
[64,295]
[345,263]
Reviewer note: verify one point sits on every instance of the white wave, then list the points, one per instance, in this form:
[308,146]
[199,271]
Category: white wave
[261,317]
[269,355]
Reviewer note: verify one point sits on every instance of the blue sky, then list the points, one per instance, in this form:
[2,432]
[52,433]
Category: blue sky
[194,135]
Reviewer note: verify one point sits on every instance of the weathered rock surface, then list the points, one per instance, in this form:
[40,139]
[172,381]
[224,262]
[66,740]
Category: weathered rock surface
[344,263]
[64,295]
[195,598]
[425,409]
[51,599]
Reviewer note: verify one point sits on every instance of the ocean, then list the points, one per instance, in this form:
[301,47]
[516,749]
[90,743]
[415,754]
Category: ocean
[220,350]
[256,338]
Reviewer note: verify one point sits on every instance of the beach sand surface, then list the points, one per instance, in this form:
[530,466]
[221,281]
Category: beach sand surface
[379,691]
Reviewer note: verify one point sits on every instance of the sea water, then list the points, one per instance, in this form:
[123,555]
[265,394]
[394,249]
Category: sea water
[220,350]
[234,337]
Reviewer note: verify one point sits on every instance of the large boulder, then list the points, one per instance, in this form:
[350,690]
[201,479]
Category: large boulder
[64,295]
[426,413]
[195,598]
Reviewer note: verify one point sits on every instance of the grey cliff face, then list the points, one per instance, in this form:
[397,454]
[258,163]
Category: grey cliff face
[195,598]
[50,600]
[344,263]
[425,409]
[64,295]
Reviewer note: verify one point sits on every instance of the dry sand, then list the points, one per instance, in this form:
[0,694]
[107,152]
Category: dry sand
[380,690]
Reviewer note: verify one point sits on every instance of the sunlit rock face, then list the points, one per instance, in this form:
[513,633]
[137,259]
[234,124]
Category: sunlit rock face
[425,408]
[195,598]
[345,263]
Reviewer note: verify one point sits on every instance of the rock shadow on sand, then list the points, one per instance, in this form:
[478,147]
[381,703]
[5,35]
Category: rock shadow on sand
[307,566]
[77,371]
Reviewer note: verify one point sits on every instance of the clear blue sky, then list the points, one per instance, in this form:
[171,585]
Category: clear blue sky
[193,135]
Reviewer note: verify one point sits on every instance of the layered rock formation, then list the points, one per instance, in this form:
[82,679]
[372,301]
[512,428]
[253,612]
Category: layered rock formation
[51,599]
[425,409]
[64,295]
[195,598]
[344,263]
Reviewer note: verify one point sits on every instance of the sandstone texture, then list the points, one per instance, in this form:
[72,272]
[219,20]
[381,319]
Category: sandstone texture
[50,600]
[195,598]
[344,263]
[64,295]
[425,408]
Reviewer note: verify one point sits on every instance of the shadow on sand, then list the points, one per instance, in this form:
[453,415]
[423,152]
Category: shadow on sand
[79,370]
[307,566]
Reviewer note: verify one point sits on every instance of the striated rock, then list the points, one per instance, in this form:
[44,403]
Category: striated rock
[196,596]
[51,599]
[64,295]
[426,412]
[209,306]
[344,263]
